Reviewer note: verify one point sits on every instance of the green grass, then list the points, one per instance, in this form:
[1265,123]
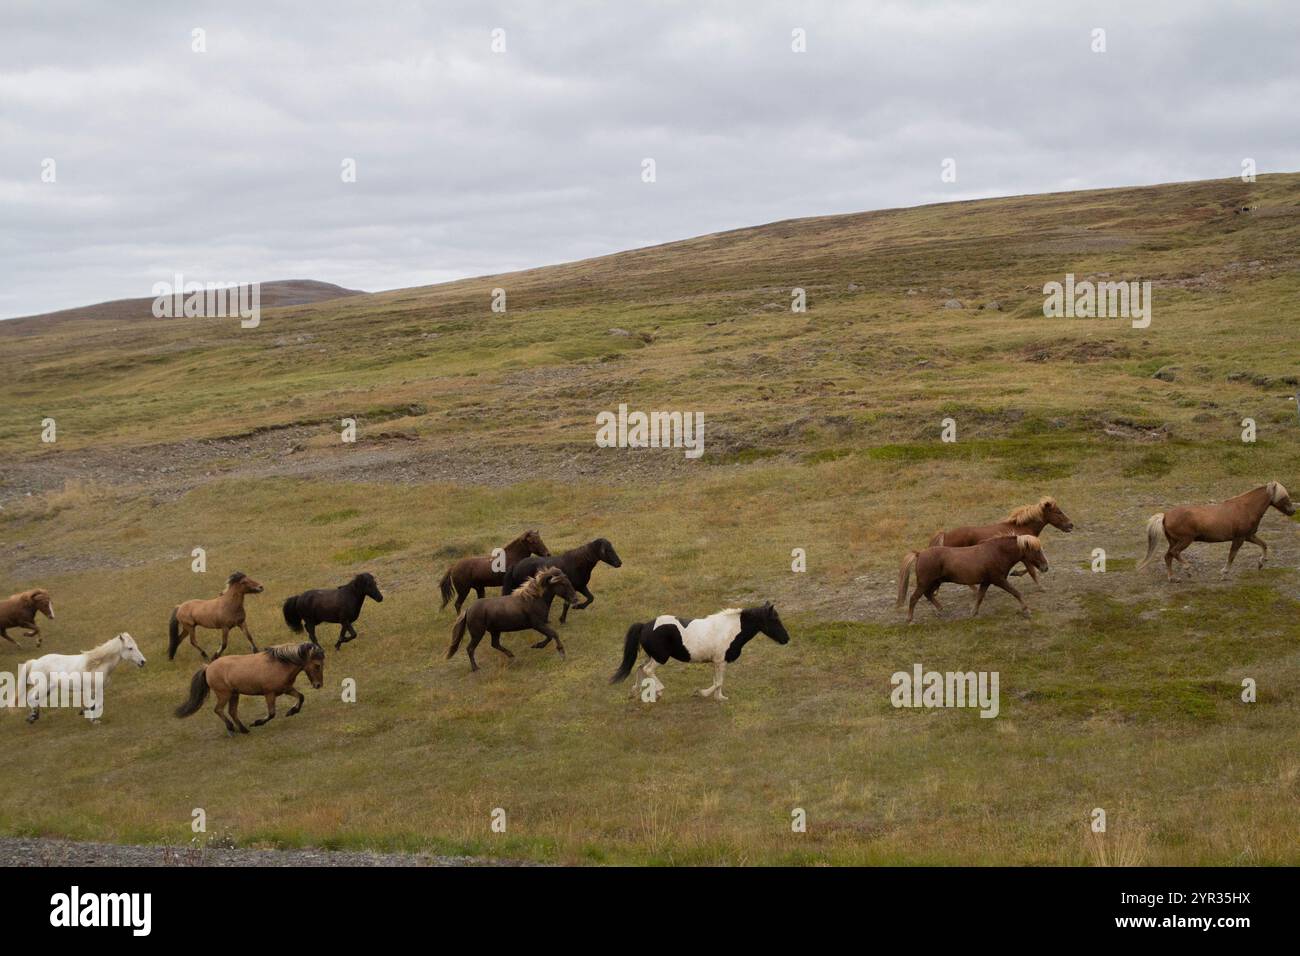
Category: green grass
[822,433]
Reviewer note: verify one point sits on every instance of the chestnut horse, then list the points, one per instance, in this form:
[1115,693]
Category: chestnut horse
[19,610]
[1235,520]
[978,565]
[476,574]
[221,613]
[268,673]
[525,608]
[1027,519]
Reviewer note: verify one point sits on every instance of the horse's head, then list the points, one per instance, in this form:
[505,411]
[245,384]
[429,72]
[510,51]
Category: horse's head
[766,621]
[130,651]
[241,582]
[1031,551]
[607,553]
[313,664]
[365,583]
[1279,498]
[533,541]
[554,581]
[39,600]
[1054,516]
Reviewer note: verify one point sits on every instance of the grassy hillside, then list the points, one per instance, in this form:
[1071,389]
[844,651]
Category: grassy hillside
[822,433]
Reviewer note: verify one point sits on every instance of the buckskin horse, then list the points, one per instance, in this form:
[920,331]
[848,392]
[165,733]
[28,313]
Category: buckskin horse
[576,563]
[1235,520]
[525,608]
[219,613]
[341,606]
[19,610]
[1027,519]
[980,565]
[476,574]
[717,639]
[268,673]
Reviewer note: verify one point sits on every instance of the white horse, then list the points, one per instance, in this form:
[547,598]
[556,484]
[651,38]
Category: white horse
[82,677]
[717,639]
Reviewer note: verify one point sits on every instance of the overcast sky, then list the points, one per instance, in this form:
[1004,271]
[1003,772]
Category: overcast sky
[226,164]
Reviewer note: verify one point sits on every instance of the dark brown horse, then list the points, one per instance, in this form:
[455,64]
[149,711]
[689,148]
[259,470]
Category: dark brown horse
[526,608]
[576,563]
[978,565]
[222,613]
[1027,519]
[19,610]
[341,606]
[269,674]
[476,574]
[1235,520]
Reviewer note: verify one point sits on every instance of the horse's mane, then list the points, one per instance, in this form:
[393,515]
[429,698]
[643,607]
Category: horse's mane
[234,579]
[294,653]
[1028,542]
[532,588]
[1032,512]
[1279,492]
[99,654]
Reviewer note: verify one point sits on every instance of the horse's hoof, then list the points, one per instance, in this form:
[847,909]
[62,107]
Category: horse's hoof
[538,646]
[243,730]
[32,718]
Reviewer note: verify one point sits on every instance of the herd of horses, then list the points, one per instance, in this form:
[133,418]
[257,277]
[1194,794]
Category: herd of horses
[531,578]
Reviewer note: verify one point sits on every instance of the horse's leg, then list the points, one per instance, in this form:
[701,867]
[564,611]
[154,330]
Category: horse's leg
[311,631]
[343,629]
[1236,545]
[474,638]
[564,615]
[1005,585]
[911,605]
[551,635]
[223,698]
[930,596]
[588,595]
[481,591]
[270,709]
[225,639]
[294,692]
[716,686]
[1254,539]
[1182,562]
[496,642]
[462,592]
[34,698]
[647,672]
[244,628]
[1033,574]
[192,630]
[234,712]
[979,598]
[8,638]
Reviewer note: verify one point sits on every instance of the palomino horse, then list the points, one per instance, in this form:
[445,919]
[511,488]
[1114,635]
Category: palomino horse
[58,672]
[219,613]
[1027,519]
[19,610]
[717,639]
[980,564]
[526,608]
[268,673]
[476,574]
[1235,520]
[576,563]
[339,606]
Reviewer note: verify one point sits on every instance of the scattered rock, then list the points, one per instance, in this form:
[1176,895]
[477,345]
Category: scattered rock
[619,332]
[1166,373]
[952,304]
[994,306]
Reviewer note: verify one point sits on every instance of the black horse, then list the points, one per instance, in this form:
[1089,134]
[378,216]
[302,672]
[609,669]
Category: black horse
[576,563]
[339,606]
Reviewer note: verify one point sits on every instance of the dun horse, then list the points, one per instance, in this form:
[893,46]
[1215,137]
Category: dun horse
[526,608]
[219,613]
[576,563]
[341,606]
[268,674]
[1235,520]
[19,610]
[1027,519]
[476,574]
[979,565]
[717,639]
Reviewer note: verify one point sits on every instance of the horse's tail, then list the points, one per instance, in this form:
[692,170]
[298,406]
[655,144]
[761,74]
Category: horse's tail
[173,635]
[937,540]
[445,587]
[198,693]
[631,644]
[905,572]
[1155,525]
[457,632]
[291,615]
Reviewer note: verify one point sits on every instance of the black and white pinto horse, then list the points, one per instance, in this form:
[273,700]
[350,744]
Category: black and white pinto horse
[717,639]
